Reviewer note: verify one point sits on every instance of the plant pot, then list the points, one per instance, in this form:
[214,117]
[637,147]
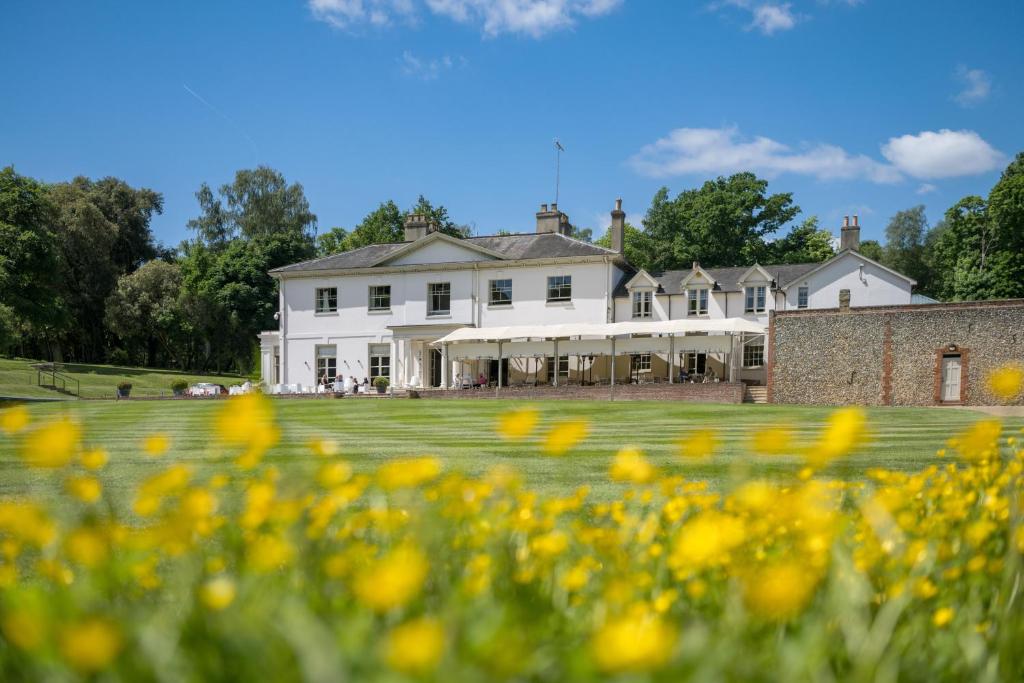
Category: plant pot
[178,393]
[124,393]
[382,390]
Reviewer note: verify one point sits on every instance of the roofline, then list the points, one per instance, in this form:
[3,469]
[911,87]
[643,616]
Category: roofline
[643,272]
[278,274]
[835,258]
[433,237]
[759,267]
[699,270]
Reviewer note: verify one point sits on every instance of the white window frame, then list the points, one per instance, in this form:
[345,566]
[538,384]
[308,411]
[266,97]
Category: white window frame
[379,356]
[326,357]
[750,356]
[642,362]
[697,301]
[492,290]
[563,367]
[431,311]
[563,285]
[322,301]
[803,295]
[643,304]
[376,295]
[755,299]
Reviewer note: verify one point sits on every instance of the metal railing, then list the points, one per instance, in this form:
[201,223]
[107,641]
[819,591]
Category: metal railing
[50,378]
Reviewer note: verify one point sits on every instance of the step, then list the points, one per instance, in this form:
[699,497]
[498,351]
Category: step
[755,395]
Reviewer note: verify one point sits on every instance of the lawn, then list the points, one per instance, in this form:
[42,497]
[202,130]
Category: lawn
[18,379]
[462,433]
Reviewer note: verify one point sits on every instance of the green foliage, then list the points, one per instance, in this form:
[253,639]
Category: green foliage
[637,245]
[872,249]
[905,245]
[331,242]
[145,311]
[381,381]
[124,386]
[385,225]
[805,243]
[179,385]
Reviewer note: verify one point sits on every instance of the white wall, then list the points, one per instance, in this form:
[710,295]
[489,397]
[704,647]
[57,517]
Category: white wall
[440,251]
[877,287]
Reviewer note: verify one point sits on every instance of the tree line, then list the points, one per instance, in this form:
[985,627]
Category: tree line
[83,279]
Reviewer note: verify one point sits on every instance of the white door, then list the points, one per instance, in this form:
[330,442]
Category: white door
[951,378]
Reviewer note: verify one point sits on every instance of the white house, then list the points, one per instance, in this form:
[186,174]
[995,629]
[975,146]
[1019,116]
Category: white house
[435,310]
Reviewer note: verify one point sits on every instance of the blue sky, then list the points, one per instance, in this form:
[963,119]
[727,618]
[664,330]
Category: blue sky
[865,106]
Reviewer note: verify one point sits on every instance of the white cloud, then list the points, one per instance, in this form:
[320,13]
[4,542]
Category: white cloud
[943,154]
[723,150]
[427,69]
[926,188]
[977,86]
[769,19]
[528,17]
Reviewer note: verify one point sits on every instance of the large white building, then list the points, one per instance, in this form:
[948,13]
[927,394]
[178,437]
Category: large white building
[435,310]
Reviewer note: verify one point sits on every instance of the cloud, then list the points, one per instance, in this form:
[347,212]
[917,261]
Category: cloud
[943,154]
[427,69]
[926,188]
[723,150]
[977,86]
[769,19]
[533,18]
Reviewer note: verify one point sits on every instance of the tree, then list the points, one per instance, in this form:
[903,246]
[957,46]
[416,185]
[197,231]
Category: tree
[969,257]
[1006,209]
[805,243]
[904,244]
[131,210]
[637,246]
[331,242]
[386,224]
[144,312]
[722,223]
[872,249]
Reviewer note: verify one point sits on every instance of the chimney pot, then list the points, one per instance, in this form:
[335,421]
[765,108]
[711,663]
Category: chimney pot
[554,206]
[618,204]
[855,222]
[543,207]
[846,221]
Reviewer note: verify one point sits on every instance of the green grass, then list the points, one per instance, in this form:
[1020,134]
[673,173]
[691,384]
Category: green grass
[461,433]
[19,380]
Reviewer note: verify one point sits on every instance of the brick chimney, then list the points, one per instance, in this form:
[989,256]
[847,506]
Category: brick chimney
[552,220]
[418,225]
[618,228]
[849,236]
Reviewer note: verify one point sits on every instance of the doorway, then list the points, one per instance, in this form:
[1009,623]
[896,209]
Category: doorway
[436,364]
[492,372]
[951,378]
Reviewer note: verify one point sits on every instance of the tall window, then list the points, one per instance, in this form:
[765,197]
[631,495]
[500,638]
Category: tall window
[563,367]
[277,365]
[380,297]
[641,361]
[642,304]
[698,301]
[755,299]
[801,297]
[753,352]
[500,293]
[380,360]
[327,299]
[560,288]
[439,298]
[326,362]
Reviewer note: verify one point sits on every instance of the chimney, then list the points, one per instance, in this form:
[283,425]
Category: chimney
[696,265]
[552,220]
[417,225]
[849,236]
[618,229]
[844,300]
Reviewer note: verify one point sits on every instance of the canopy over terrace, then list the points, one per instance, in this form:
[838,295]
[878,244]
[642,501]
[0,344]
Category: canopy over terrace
[664,336]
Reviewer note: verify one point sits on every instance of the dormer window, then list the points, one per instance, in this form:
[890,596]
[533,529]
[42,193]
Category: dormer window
[642,304]
[698,301]
[755,299]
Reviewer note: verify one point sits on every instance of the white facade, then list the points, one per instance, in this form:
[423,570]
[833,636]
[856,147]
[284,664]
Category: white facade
[359,334]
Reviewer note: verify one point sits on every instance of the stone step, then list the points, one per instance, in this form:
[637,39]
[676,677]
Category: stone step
[755,395]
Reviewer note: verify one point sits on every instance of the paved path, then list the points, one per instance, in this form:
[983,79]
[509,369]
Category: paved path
[997,411]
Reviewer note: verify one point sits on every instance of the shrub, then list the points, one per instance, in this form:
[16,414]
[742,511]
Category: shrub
[381,381]
[124,386]
[179,385]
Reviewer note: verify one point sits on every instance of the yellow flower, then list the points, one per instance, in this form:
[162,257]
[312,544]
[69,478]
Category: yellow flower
[333,474]
[324,447]
[563,437]
[86,546]
[980,441]
[85,488]
[844,431]
[942,616]
[408,473]
[51,445]
[24,628]
[706,541]
[94,458]
[778,592]
[269,552]
[518,424]
[156,444]
[699,444]
[636,642]
[27,522]
[13,420]
[550,544]
[90,645]
[1006,382]
[393,580]
[773,441]
[630,465]
[217,593]
[416,646]
[247,421]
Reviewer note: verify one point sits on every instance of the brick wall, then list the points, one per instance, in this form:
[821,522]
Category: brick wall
[892,355]
[715,392]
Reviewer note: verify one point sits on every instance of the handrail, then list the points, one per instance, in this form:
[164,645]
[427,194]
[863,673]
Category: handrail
[54,377]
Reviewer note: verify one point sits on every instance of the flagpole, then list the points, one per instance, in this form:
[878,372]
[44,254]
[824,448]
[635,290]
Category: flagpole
[558,166]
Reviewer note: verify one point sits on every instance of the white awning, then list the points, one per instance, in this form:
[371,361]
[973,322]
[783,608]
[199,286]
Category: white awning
[603,330]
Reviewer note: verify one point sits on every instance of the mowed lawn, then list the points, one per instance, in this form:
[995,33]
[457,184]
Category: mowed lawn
[462,433]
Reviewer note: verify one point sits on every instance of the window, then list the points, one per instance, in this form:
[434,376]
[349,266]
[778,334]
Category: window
[326,362]
[641,362]
[560,288]
[695,362]
[698,301]
[755,299]
[380,297]
[500,293]
[327,300]
[439,298]
[277,365]
[563,367]
[801,297]
[380,360]
[642,304]
[753,352]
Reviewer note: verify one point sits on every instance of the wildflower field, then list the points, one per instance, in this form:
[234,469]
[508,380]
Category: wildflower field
[476,541]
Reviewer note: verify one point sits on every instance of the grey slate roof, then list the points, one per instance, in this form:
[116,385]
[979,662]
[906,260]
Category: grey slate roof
[513,247]
[726,279]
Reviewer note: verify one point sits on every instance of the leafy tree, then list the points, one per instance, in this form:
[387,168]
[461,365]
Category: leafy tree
[144,311]
[968,254]
[637,247]
[805,243]
[722,223]
[872,249]
[331,242]
[904,244]
[386,224]
[131,210]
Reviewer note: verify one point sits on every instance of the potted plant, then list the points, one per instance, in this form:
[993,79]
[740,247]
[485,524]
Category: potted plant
[381,383]
[179,386]
[124,389]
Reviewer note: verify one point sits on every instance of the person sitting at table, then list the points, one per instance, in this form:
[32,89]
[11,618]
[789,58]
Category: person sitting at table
[481,381]
[683,375]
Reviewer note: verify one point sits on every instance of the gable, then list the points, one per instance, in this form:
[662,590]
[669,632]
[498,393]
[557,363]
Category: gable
[438,251]
[755,275]
[642,280]
[845,262]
